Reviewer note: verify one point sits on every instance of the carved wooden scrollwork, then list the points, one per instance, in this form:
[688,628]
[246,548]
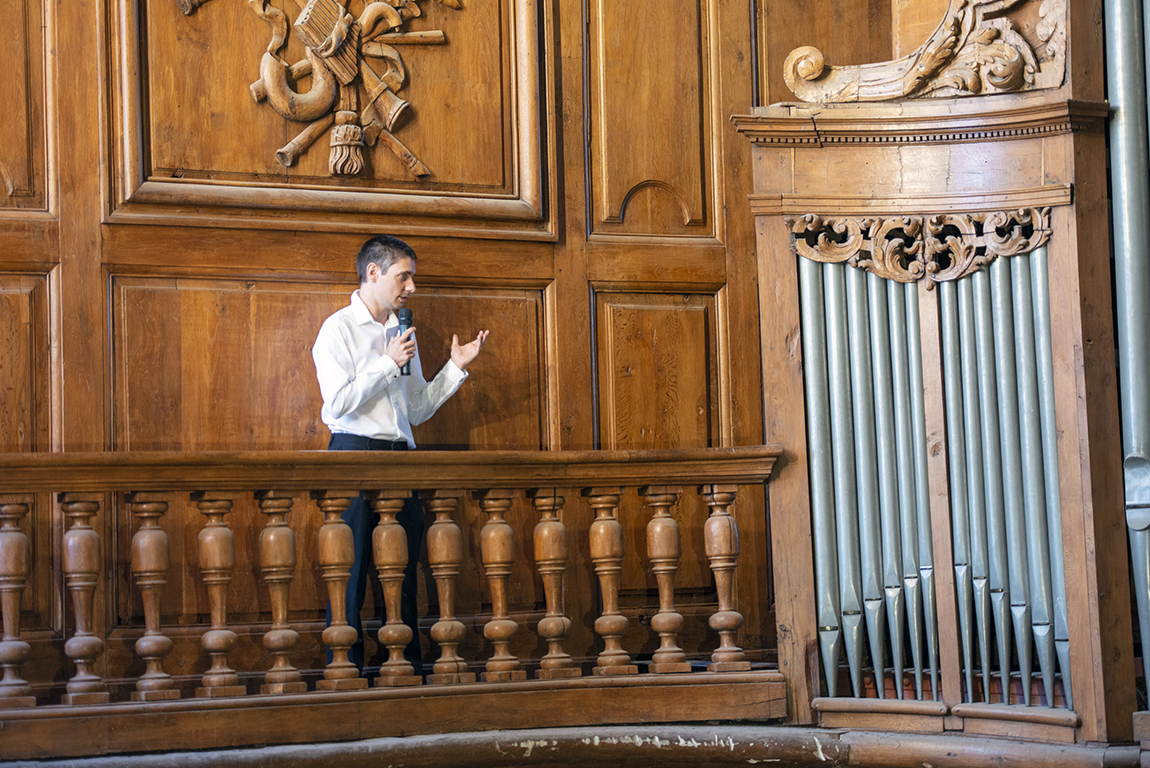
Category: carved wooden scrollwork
[910,248]
[355,72]
[976,49]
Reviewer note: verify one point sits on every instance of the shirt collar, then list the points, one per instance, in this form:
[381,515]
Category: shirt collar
[363,315]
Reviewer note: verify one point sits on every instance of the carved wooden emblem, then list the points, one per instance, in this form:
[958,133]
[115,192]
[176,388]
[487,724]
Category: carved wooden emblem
[355,70]
[911,248]
[976,49]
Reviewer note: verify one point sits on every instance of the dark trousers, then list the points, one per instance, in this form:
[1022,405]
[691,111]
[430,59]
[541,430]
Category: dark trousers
[362,519]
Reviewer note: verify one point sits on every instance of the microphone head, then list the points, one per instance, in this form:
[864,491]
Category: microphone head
[403,314]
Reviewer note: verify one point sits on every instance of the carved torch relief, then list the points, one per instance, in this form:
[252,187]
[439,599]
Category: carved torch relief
[356,72]
[980,47]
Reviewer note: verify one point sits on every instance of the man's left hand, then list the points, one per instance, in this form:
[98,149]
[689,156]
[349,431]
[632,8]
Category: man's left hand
[463,354]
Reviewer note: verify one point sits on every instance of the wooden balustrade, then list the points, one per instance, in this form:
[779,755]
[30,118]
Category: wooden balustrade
[496,486]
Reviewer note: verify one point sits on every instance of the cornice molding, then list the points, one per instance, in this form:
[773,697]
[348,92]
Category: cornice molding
[799,204]
[800,126]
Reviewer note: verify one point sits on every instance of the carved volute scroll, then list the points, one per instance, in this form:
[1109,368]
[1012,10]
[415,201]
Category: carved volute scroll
[978,48]
[355,72]
[910,248]
[15,565]
[82,567]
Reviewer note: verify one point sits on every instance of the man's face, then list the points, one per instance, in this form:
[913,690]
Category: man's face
[389,290]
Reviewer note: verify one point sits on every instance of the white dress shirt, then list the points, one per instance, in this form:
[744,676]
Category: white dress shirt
[363,393]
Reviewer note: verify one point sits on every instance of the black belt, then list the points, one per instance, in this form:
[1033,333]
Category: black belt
[374,444]
[341,441]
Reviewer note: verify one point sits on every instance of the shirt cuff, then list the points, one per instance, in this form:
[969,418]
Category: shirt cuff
[454,373]
[384,368]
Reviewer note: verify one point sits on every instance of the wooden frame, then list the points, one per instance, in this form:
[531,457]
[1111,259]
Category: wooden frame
[520,211]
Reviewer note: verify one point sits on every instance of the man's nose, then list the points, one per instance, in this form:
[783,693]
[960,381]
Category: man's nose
[411,286]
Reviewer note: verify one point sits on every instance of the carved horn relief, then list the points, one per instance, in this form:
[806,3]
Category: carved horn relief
[976,49]
[355,70]
[911,248]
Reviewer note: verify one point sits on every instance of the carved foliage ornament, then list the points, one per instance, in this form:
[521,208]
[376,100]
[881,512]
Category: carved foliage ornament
[355,71]
[910,248]
[976,49]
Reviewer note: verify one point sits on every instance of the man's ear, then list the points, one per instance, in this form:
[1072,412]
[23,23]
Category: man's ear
[372,272]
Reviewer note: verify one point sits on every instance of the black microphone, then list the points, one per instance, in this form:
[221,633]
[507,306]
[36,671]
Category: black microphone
[404,317]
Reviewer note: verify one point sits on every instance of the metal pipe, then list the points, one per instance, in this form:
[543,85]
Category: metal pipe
[999,574]
[1044,360]
[866,465]
[972,416]
[1033,474]
[959,498]
[904,435]
[887,476]
[1130,192]
[1013,497]
[821,469]
[843,456]
[922,486]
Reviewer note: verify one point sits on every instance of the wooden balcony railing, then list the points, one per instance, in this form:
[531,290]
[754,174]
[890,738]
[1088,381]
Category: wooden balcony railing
[108,626]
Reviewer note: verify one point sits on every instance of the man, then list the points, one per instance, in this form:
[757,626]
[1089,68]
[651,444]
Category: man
[369,405]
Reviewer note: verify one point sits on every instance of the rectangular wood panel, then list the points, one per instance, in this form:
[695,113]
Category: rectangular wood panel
[25,411]
[436,114]
[23,160]
[651,115]
[226,365]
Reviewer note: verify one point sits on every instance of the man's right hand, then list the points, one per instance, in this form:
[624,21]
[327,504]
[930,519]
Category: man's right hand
[402,348]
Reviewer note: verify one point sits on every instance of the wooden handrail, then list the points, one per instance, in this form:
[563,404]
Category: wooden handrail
[309,470]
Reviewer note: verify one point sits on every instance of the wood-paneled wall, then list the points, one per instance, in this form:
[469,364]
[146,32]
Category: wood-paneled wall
[162,276]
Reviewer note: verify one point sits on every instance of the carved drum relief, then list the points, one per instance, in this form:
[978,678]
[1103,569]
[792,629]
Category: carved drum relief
[355,70]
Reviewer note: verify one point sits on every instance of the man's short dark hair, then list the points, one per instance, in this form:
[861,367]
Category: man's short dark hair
[383,250]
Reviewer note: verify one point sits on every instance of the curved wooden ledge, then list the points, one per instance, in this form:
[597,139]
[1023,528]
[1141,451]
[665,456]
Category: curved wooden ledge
[888,706]
[411,470]
[1044,715]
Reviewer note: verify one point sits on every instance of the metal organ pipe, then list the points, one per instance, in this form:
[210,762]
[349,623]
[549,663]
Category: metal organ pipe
[843,453]
[1130,190]
[821,469]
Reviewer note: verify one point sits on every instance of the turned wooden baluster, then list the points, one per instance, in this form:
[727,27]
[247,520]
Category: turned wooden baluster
[722,545]
[277,562]
[15,562]
[389,541]
[607,555]
[217,564]
[150,569]
[664,551]
[497,544]
[445,554]
[81,575]
[336,555]
[551,563]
